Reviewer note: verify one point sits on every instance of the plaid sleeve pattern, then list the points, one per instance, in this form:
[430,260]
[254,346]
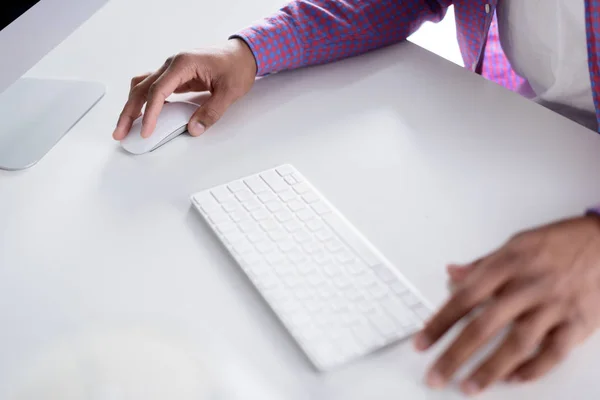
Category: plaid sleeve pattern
[304,32]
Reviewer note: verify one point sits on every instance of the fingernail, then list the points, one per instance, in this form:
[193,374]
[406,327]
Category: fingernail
[196,128]
[470,388]
[435,380]
[422,342]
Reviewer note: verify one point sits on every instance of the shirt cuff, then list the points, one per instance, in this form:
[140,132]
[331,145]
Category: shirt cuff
[594,210]
[274,43]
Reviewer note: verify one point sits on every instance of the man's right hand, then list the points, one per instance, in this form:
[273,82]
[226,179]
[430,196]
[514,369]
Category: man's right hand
[227,71]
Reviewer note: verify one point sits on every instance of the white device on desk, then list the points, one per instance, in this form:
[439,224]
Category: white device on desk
[36,113]
[334,292]
[171,122]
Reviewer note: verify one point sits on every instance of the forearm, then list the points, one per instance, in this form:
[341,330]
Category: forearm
[308,32]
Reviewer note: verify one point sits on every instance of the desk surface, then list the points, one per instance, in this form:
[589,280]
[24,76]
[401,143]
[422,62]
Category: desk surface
[106,272]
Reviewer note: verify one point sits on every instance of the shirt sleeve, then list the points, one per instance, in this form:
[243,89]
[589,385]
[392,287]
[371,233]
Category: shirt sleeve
[594,210]
[309,32]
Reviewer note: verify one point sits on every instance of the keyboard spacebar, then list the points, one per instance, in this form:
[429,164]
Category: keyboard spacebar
[354,241]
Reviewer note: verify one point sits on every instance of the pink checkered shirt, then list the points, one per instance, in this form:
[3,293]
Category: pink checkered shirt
[309,32]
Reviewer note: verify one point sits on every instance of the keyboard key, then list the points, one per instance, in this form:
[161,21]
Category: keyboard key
[257,236]
[332,270]
[351,238]
[238,216]
[268,224]
[234,237]
[302,236]
[324,235]
[410,299]
[290,180]
[398,288]
[267,197]
[356,267]
[305,268]
[312,247]
[273,206]
[305,214]
[283,215]
[345,257]
[310,197]
[384,325]
[250,259]
[352,293]
[296,205]
[292,226]
[274,180]
[286,245]
[243,195]
[422,312]
[221,194]
[322,258]
[315,279]
[288,195]
[264,247]
[218,217]
[274,258]
[378,290]
[206,202]
[236,186]
[334,245]
[260,214]
[320,208]
[277,234]
[251,204]
[242,247]
[367,336]
[285,170]
[248,226]
[341,281]
[256,184]
[384,273]
[314,225]
[226,227]
[298,177]
[230,206]
[301,188]
[398,312]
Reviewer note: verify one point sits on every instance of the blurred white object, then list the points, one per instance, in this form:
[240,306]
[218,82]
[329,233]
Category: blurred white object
[440,38]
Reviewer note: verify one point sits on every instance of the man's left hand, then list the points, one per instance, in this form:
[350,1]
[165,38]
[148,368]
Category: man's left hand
[543,284]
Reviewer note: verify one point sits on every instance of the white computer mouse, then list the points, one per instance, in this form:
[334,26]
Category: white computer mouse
[171,122]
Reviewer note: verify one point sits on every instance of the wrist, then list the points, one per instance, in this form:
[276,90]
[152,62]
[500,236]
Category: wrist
[244,52]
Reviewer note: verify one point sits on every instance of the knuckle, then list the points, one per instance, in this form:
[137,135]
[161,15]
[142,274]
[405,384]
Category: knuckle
[479,329]
[465,297]
[170,60]
[447,363]
[558,351]
[554,288]
[520,341]
[137,91]
[560,345]
[181,58]
[136,79]
[154,90]
[486,374]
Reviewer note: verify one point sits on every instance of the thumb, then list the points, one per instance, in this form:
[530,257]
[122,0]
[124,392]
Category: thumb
[209,113]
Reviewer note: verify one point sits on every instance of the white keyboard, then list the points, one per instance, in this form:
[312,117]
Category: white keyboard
[334,292]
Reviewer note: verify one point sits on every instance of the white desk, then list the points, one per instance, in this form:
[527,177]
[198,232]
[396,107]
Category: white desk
[102,259]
